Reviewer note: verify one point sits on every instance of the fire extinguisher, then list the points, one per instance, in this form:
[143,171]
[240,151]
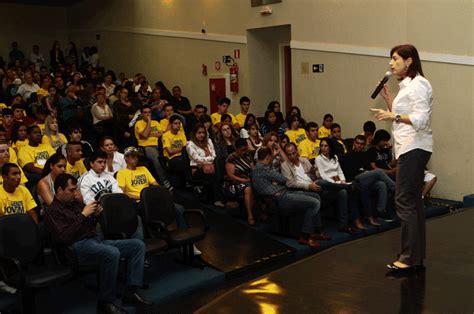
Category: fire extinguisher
[234,78]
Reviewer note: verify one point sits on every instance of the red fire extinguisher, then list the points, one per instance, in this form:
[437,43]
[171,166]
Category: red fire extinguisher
[234,78]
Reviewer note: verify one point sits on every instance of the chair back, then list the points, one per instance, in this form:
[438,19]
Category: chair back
[158,204]
[19,238]
[119,215]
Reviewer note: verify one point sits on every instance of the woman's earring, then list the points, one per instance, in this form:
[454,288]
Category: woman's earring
[406,67]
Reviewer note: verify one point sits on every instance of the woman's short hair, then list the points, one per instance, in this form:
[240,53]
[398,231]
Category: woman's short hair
[409,51]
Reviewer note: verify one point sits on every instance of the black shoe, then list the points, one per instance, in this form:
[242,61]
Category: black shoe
[108,307]
[395,269]
[136,299]
[385,216]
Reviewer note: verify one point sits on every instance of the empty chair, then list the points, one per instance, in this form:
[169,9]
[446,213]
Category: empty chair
[20,245]
[159,213]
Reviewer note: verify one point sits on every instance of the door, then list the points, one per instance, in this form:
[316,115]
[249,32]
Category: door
[216,91]
[287,77]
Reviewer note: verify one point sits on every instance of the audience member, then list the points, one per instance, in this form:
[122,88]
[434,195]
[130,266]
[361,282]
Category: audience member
[369,130]
[56,55]
[309,147]
[147,132]
[173,143]
[250,119]
[16,54]
[244,110]
[72,223]
[270,123]
[37,58]
[354,165]
[114,159]
[295,133]
[339,146]
[198,112]
[28,87]
[6,157]
[33,156]
[55,165]
[238,167]
[15,198]
[333,180]
[274,106]
[254,140]
[223,105]
[325,129]
[380,154]
[51,136]
[268,182]
[75,164]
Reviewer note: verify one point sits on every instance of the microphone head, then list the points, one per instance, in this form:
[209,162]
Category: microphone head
[388,74]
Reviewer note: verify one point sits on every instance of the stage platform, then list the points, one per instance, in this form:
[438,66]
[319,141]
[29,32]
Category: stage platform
[351,278]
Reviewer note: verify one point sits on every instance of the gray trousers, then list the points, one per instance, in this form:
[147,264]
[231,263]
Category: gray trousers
[409,205]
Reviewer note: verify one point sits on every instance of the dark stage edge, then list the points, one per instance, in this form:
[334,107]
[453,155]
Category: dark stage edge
[350,278]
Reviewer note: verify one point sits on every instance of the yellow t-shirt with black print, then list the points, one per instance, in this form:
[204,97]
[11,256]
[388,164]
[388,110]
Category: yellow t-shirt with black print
[55,143]
[216,118]
[323,132]
[18,202]
[37,155]
[151,140]
[19,144]
[309,149]
[134,181]
[173,141]
[77,170]
[297,136]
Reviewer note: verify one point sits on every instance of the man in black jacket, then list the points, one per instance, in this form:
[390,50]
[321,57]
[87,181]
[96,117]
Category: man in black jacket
[72,223]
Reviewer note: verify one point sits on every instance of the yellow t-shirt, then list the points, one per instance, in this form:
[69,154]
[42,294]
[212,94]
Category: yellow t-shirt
[216,118]
[18,202]
[151,140]
[19,144]
[37,155]
[172,141]
[13,155]
[323,132]
[296,136]
[77,170]
[309,149]
[23,178]
[241,119]
[134,181]
[54,142]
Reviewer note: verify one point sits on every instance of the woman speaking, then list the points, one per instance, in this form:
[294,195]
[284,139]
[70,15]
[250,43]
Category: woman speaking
[410,113]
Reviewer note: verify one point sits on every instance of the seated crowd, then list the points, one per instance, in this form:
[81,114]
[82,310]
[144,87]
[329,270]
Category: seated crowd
[77,132]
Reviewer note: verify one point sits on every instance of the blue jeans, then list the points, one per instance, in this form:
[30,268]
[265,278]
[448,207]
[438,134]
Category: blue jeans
[106,255]
[309,202]
[345,200]
[374,181]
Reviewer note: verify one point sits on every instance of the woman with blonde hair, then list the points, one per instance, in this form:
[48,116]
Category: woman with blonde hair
[51,135]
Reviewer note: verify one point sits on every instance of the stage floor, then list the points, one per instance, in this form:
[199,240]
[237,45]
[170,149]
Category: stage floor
[350,278]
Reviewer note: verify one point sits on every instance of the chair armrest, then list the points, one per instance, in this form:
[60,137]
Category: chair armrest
[7,267]
[196,213]
[158,225]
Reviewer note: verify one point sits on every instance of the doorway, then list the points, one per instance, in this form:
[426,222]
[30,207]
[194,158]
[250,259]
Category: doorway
[269,56]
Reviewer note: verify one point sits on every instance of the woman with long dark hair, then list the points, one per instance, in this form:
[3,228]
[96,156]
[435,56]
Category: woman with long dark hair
[55,165]
[410,112]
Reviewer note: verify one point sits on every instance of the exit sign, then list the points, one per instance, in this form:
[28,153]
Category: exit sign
[318,68]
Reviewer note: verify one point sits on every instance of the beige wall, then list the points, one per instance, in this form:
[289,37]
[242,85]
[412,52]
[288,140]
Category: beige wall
[434,26]
[29,25]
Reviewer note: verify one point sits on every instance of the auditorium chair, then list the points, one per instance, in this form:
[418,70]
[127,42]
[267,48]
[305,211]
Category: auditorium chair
[119,220]
[20,245]
[159,214]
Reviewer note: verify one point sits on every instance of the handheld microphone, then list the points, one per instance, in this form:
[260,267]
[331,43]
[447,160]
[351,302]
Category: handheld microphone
[379,87]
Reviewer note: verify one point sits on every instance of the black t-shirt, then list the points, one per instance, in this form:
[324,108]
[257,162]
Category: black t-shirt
[354,163]
[381,158]
[181,104]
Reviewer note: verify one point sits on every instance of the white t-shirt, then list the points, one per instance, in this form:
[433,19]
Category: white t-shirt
[301,176]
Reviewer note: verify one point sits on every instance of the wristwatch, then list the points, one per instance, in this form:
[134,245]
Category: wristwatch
[397,118]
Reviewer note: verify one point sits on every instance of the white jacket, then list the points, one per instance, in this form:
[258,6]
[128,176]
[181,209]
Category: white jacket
[92,185]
